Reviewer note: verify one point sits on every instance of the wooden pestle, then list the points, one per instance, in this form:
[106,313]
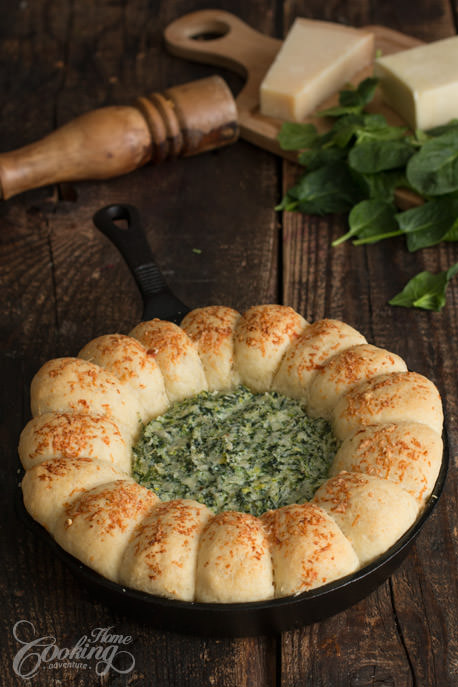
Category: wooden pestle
[183,120]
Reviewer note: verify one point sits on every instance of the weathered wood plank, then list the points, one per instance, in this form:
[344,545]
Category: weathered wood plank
[33,37]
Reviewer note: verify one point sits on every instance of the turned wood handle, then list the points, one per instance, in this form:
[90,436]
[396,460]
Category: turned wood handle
[183,120]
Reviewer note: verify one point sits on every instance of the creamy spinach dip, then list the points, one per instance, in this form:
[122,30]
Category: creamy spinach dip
[235,451]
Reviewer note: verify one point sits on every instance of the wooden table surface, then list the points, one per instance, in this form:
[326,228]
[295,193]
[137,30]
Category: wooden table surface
[63,283]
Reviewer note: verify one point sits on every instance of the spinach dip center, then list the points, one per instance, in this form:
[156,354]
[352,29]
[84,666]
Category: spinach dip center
[235,450]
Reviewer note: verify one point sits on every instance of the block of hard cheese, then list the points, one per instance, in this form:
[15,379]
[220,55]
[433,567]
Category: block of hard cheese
[421,84]
[316,59]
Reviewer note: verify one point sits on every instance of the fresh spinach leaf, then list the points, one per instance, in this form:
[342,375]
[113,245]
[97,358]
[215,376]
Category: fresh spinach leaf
[370,221]
[452,126]
[339,111]
[428,237]
[313,158]
[332,188]
[452,235]
[362,94]
[419,137]
[294,136]
[433,170]
[343,130]
[352,100]
[376,222]
[380,132]
[428,224]
[374,156]
[425,290]
[350,126]
[382,185]
[288,203]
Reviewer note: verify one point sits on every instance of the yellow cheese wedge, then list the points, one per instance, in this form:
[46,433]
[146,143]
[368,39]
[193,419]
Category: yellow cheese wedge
[315,61]
[421,84]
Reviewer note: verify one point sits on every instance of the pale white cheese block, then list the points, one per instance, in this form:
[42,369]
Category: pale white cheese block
[421,84]
[316,59]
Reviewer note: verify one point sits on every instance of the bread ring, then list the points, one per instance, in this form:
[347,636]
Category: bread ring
[47,487]
[262,335]
[396,397]
[176,356]
[161,556]
[77,452]
[234,562]
[344,371]
[308,548]
[212,331]
[74,385]
[129,361]
[408,453]
[311,350]
[96,526]
[371,512]
[73,435]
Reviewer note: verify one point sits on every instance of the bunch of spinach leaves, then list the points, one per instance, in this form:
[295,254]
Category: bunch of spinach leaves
[358,165]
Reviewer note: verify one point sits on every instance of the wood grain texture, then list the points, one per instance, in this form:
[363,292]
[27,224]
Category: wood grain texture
[63,283]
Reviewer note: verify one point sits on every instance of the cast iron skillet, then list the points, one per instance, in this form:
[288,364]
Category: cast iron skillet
[210,619]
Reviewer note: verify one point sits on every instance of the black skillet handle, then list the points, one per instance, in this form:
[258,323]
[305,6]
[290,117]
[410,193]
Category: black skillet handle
[132,244]
[158,300]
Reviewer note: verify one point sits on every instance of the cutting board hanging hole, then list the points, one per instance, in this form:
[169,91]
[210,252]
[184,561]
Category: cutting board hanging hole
[212,32]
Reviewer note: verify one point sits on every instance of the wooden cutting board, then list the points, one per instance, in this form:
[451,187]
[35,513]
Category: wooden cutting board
[220,38]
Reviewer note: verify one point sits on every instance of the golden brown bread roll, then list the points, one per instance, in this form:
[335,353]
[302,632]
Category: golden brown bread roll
[48,486]
[408,453]
[371,512]
[310,351]
[96,526]
[212,331]
[176,356]
[234,562]
[65,435]
[161,556]
[262,335]
[308,549]
[129,361]
[396,397]
[74,385]
[344,371]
